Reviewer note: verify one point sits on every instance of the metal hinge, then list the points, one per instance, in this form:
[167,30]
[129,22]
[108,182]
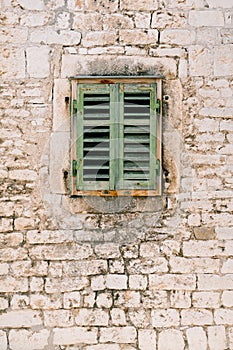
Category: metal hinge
[158,105]
[75,106]
[74,167]
[158,167]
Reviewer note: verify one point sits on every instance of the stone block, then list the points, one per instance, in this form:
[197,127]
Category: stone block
[165,318]
[219,3]
[12,64]
[82,268]
[181,37]
[206,300]
[52,285]
[217,338]
[128,299]
[52,37]
[172,282]
[200,61]
[6,225]
[170,340]
[138,282]
[215,282]
[223,316]
[142,20]
[11,254]
[45,302]
[118,317]
[58,318]
[192,265]
[102,6]
[28,340]
[99,38]
[49,237]
[227,266]
[147,266]
[227,298]
[113,21]
[197,339]
[90,21]
[223,60]
[38,61]
[13,35]
[19,319]
[32,5]
[202,248]
[196,317]
[36,19]
[180,299]
[114,281]
[139,5]
[97,317]
[122,335]
[104,300]
[139,37]
[61,113]
[107,250]
[61,252]
[75,335]
[206,18]
[3,340]
[106,347]
[146,339]
[59,155]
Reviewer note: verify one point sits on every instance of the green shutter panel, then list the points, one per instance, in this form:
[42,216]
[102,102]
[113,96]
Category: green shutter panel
[137,137]
[93,137]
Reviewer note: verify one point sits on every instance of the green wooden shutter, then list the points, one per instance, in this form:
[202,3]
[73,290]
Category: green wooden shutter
[94,127]
[137,137]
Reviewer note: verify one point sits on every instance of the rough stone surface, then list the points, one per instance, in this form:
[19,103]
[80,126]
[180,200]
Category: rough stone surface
[122,273]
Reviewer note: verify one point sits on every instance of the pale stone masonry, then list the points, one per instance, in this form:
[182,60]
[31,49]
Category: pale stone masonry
[126,273]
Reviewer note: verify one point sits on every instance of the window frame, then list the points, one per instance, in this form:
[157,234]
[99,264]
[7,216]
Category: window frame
[110,80]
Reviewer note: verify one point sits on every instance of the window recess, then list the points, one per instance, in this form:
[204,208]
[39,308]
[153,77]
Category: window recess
[116,136]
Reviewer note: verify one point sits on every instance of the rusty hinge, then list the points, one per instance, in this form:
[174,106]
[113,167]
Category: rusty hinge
[74,168]
[158,105]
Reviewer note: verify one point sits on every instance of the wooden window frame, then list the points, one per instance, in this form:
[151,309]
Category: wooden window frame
[88,80]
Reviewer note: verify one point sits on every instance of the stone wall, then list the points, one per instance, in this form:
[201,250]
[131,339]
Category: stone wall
[124,273]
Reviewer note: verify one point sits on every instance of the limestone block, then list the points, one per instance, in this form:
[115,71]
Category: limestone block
[6,225]
[147,339]
[172,282]
[102,6]
[206,125]
[118,317]
[113,21]
[149,249]
[223,316]
[180,299]
[142,20]
[165,318]
[196,338]
[207,18]
[82,268]
[180,37]
[10,285]
[196,317]
[219,3]
[31,5]
[137,282]
[50,36]
[24,223]
[4,268]
[75,335]
[139,5]
[26,268]
[227,298]
[99,38]
[3,340]
[200,61]
[35,19]
[22,318]
[139,37]
[170,340]
[60,252]
[207,36]
[12,65]
[221,112]
[90,21]
[40,301]
[123,335]
[202,248]
[146,266]
[104,300]
[11,254]
[206,299]
[128,299]
[63,20]
[46,236]
[58,318]
[38,65]
[28,340]
[216,338]
[60,106]
[59,153]
[72,300]
[66,284]
[223,60]
[106,347]
[97,317]
[215,282]
[98,283]
[227,266]
[200,265]
[13,35]
[107,250]
[114,281]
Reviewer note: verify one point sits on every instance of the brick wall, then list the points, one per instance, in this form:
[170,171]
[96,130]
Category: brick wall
[126,273]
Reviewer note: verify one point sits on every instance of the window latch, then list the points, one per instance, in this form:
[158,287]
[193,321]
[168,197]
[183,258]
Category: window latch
[158,105]
[74,167]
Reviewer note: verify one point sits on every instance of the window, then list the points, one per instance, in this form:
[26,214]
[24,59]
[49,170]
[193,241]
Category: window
[116,136]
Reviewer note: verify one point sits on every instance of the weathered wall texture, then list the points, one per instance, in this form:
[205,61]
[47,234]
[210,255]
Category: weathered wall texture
[122,274]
